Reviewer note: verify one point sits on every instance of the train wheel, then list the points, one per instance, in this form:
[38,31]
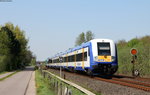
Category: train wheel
[71,69]
[74,70]
[90,73]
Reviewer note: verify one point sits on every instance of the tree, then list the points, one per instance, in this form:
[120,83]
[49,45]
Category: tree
[80,39]
[33,61]
[13,47]
[122,43]
[84,38]
[4,50]
[28,58]
[89,36]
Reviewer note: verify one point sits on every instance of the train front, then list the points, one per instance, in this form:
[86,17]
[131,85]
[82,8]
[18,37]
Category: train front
[104,57]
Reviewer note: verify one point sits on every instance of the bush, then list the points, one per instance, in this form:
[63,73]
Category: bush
[143,56]
[36,68]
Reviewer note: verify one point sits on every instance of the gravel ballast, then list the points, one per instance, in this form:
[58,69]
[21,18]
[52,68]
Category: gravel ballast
[102,87]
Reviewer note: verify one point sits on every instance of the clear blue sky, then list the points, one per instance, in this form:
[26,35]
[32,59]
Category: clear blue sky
[53,25]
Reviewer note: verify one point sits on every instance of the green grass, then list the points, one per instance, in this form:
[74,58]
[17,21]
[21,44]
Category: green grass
[74,90]
[8,75]
[3,72]
[42,86]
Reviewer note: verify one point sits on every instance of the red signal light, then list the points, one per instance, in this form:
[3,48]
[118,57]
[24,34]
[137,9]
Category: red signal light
[134,51]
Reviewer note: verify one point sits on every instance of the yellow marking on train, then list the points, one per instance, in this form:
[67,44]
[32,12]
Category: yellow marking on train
[75,52]
[104,58]
[67,60]
[82,58]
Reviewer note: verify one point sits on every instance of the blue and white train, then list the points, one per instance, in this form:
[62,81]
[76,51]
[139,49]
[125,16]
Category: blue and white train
[96,57]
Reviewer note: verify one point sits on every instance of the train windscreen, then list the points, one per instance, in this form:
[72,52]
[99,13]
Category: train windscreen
[103,48]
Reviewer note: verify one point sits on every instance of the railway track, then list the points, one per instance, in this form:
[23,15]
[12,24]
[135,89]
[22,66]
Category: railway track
[129,81]
[138,83]
[131,77]
[125,82]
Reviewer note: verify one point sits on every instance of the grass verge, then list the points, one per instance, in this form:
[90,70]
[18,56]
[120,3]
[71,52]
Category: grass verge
[42,86]
[3,72]
[8,75]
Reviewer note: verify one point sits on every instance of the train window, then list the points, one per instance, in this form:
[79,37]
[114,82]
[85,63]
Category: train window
[103,48]
[79,57]
[85,56]
[68,58]
[49,60]
[64,59]
[53,61]
[56,61]
[71,58]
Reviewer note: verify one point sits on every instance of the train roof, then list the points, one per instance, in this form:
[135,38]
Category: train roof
[81,46]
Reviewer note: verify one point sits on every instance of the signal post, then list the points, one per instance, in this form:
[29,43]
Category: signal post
[134,57]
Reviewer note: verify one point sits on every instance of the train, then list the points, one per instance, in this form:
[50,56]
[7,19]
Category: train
[95,57]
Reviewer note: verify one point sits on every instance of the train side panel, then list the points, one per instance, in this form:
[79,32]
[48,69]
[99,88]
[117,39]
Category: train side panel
[99,56]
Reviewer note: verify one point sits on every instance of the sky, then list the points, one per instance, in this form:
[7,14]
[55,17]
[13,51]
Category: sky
[52,26]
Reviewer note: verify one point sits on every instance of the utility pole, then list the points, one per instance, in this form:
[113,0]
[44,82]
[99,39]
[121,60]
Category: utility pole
[60,61]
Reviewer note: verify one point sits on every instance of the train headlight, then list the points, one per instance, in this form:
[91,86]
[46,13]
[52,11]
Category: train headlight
[96,58]
[113,58]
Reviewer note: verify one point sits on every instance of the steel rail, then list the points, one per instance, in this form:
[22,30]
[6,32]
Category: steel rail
[134,82]
[125,84]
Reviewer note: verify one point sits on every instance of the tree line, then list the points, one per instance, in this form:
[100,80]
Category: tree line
[14,51]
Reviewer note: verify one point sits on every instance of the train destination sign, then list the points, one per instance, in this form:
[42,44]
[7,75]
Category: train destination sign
[133,51]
